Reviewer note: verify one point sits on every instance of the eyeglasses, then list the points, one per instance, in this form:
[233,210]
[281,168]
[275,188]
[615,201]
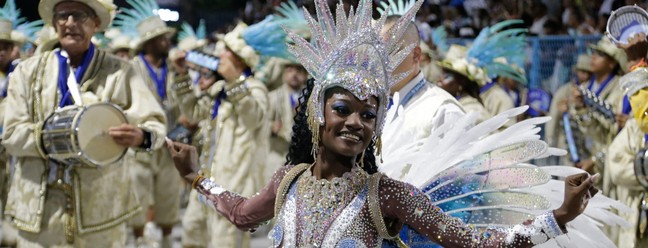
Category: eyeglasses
[78,16]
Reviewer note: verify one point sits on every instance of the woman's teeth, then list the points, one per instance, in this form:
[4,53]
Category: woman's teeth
[351,136]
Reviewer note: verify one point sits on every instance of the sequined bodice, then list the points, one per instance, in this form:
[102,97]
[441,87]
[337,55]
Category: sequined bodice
[322,213]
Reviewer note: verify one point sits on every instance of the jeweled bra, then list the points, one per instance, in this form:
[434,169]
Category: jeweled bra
[316,213]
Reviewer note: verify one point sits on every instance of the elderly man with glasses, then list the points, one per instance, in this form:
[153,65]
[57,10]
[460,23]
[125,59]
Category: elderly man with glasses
[57,205]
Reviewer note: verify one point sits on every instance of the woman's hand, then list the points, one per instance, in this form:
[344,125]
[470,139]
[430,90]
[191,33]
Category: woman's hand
[579,189]
[185,158]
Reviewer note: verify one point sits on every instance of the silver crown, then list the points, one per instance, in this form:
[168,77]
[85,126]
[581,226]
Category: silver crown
[350,52]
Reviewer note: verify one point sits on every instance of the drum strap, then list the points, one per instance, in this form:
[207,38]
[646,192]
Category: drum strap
[61,178]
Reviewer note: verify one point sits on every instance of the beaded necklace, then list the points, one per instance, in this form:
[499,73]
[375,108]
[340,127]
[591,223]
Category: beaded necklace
[320,201]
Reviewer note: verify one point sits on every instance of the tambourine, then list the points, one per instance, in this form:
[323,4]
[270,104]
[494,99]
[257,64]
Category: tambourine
[625,22]
[204,60]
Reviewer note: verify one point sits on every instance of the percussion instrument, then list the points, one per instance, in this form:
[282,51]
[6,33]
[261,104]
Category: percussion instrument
[78,135]
[202,59]
[625,22]
[597,104]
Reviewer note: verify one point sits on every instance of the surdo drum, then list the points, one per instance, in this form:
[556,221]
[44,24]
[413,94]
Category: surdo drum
[78,136]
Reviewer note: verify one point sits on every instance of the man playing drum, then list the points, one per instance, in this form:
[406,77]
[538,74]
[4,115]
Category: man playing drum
[51,203]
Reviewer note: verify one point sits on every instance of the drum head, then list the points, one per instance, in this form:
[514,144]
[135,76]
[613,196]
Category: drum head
[626,22]
[92,133]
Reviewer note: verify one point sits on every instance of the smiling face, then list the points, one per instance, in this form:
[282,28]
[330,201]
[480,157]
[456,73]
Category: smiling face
[350,122]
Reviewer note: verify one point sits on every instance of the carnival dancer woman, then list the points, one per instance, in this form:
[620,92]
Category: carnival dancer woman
[332,194]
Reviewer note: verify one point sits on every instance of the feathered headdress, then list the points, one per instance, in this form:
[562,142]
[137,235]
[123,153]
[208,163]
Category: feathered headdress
[189,39]
[293,19]
[270,70]
[119,39]
[396,8]
[263,39]
[440,39]
[142,20]
[349,52]
[23,30]
[479,63]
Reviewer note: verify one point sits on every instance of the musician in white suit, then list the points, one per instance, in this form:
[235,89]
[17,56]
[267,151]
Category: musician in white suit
[425,105]
[283,101]
[622,155]
[52,204]
[608,64]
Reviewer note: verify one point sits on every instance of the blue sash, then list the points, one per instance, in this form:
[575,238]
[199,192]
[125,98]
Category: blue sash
[600,89]
[486,87]
[63,74]
[9,71]
[159,80]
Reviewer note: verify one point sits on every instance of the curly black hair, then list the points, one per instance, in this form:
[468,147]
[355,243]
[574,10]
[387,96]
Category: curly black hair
[301,143]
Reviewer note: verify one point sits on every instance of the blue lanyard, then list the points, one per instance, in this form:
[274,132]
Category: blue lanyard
[9,71]
[222,96]
[219,99]
[160,81]
[486,87]
[292,100]
[412,92]
[518,99]
[600,89]
[571,144]
[63,74]
[626,106]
